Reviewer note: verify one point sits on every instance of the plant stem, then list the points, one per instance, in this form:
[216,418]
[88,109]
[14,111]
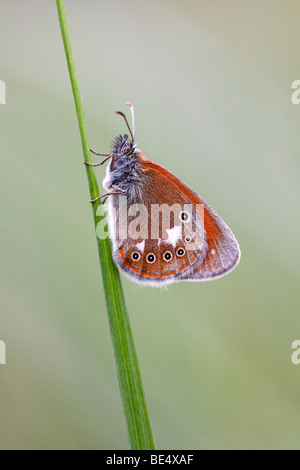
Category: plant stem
[131,388]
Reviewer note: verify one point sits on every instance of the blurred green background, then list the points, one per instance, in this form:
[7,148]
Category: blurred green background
[211,85]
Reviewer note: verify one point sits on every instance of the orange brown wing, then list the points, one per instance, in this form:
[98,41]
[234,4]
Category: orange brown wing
[177,254]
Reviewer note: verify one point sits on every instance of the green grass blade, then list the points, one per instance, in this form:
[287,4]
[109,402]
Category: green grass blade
[131,388]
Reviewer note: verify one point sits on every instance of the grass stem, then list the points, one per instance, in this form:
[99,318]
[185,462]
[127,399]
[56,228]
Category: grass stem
[130,382]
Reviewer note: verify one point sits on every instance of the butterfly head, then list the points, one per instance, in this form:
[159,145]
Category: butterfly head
[124,170]
[123,147]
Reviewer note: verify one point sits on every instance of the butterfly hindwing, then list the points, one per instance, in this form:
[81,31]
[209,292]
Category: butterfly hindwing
[199,248]
[222,250]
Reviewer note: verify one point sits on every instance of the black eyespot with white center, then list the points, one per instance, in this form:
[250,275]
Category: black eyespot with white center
[180,252]
[135,256]
[167,256]
[184,216]
[151,258]
[187,239]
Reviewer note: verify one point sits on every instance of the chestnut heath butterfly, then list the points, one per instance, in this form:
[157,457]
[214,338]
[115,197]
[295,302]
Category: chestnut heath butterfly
[161,230]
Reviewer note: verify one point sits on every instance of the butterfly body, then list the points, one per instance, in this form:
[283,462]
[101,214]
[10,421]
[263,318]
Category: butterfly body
[125,169]
[161,230]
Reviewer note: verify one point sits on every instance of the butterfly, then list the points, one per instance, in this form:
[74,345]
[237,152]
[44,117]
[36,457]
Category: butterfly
[161,230]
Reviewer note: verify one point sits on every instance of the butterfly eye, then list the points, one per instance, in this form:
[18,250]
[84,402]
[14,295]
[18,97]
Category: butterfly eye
[126,149]
[135,256]
[184,216]
[180,252]
[168,256]
[151,258]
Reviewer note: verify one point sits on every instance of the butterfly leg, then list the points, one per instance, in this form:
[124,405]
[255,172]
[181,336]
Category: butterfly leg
[107,155]
[105,195]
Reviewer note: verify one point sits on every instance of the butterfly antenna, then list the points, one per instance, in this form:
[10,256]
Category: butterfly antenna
[123,115]
[132,117]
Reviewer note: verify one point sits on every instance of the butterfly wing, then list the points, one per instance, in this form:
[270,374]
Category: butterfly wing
[197,249]
[222,249]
